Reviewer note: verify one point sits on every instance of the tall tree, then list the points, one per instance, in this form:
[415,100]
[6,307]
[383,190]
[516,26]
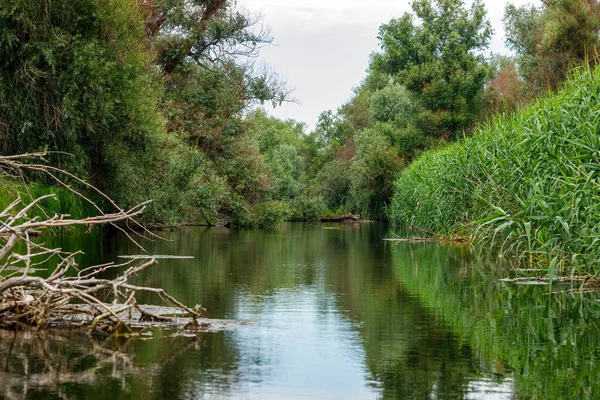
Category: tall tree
[206,51]
[436,54]
[216,35]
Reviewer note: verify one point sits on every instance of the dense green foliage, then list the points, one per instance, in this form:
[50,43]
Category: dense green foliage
[431,84]
[550,40]
[149,98]
[424,87]
[525,184]
[157,99]
[436,58]
[74,78]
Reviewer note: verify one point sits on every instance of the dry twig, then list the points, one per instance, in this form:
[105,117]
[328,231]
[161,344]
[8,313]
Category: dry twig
[32,301]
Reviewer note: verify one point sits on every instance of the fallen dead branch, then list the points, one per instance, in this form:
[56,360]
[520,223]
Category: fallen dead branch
[29,300]
[340,218]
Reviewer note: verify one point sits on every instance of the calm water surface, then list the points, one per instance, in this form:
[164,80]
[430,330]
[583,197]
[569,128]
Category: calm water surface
[336,312]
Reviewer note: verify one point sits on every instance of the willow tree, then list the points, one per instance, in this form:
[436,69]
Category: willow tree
[206,52]
[75,77]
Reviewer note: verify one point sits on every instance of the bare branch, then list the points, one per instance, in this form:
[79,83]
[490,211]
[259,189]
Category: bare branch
[34,301]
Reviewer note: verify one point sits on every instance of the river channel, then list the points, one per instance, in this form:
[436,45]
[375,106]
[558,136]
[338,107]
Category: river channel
[329,311]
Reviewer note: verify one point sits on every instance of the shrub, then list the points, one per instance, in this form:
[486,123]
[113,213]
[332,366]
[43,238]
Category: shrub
[76,78]
[306,208]
[333,183]
[270,214]
[394,103]
[374,167]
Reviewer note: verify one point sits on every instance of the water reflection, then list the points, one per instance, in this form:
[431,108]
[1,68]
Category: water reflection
[548,344]
[340,314]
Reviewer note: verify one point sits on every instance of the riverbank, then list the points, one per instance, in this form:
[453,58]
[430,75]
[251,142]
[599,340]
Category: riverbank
[63,202]
[524,185]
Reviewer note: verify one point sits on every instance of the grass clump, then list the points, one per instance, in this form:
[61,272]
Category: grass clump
[64,202]
[526,184]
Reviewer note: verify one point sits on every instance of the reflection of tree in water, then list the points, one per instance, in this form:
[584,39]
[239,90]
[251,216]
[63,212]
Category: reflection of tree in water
[382,288]
[549,344]
[410,353]
[414,355]
[69,365]
[39,364]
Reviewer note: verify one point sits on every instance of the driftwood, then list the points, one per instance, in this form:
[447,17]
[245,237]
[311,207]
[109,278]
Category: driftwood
[412,239]
[29,300]
[341,218]
[456,240]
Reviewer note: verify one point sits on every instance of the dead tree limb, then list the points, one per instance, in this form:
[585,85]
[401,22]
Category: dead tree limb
[28,300]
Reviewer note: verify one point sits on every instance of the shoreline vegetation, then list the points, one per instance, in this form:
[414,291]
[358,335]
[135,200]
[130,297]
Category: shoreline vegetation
[524,185]
[162,100]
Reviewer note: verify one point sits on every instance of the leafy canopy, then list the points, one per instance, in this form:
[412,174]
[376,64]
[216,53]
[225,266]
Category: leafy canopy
[436,54]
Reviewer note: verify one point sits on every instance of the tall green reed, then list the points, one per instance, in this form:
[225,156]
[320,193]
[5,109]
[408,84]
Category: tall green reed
[525,185]
[64,202]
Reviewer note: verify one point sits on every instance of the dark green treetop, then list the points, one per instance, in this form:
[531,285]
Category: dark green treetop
[435,52]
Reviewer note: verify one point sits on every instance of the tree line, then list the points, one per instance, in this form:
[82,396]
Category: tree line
[160,99]
[434,81]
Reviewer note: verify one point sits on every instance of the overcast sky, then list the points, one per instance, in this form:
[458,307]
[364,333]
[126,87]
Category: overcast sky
[322,47]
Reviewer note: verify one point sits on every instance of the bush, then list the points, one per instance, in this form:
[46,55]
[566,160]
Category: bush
[374,167]
[307,208]
[181,182]
[333,183]
[270,214]
[335,213]
[76,78]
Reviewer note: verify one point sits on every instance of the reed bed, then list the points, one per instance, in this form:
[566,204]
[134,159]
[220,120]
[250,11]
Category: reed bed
[62,201]
[525,185]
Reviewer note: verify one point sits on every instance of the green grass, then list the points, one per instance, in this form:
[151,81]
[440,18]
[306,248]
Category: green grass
[63,202]
[335,213]
[526,185]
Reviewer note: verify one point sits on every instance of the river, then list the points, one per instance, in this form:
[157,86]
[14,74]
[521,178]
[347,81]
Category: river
[330,311]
